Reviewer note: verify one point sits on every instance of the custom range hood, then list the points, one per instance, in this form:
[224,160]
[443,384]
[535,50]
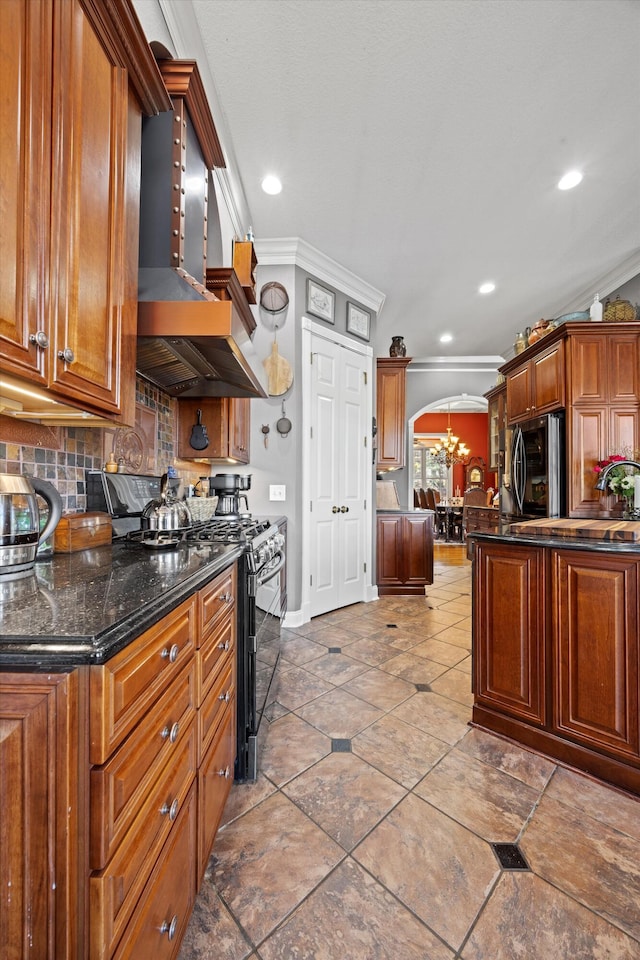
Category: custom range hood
[195,326]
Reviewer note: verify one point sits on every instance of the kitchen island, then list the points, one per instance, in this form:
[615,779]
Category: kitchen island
[556,648]
[117,744]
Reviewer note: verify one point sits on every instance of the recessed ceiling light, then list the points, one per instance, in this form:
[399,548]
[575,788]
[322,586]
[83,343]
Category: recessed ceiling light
[570,180]
[271,185]
[446,338]
[487,288]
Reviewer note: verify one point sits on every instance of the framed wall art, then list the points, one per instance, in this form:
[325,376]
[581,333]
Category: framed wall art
[358,321]
[320,301]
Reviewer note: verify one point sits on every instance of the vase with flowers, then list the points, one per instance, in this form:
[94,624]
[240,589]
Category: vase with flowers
[621,481]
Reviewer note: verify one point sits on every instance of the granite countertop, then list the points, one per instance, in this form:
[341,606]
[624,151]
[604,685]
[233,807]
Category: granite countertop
[82,608]
[561,543]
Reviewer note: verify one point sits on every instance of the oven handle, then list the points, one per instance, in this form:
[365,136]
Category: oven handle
[271,571]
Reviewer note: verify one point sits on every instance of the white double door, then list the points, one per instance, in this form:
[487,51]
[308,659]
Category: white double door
[340,475]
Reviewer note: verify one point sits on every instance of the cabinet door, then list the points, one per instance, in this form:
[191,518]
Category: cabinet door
[43,808]
[588,368]
[519,394]
[623,365]
[417,550]
[595,641]
[587,442]
[89,126]
[509,630]
[240,418]
[25,155]
[496,423]
[390,412]
[548,380]
[215,777]
[389,550]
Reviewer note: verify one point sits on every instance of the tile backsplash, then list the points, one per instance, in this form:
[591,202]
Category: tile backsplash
[150,448]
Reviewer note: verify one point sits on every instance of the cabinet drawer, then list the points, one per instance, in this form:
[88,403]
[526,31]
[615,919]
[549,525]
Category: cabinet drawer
[167,901]
[212,654]
[115,891]
[210,713]
[216,600]
[119,787]
[124,689]
[215,777]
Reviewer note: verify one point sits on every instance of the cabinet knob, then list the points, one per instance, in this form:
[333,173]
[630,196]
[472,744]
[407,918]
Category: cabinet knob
[224,646]
[171,733]
[224,773]
[67,355]
[226,598]
[170,927]
[171,810]
[40,339]
[172,654]
[225,697]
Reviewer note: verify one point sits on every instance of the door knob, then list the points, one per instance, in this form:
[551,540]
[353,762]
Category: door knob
[334,509]
[344,509]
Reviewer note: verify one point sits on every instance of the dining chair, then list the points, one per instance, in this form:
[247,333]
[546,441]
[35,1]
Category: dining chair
[422,497]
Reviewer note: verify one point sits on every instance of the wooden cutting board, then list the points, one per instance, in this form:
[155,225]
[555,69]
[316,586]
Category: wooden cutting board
[279,373]
[626,530]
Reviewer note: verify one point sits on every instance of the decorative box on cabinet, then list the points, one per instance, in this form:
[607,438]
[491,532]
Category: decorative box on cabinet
[78,78]
[391,412]
[244,264]
[227,421]
[404,547]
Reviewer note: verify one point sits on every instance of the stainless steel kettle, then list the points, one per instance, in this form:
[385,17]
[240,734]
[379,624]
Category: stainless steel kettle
[20,532]
[166,513]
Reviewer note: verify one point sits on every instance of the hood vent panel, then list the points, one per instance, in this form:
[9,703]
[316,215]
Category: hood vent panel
[192,342]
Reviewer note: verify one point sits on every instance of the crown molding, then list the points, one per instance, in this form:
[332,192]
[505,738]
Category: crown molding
[293,250]
[449,365]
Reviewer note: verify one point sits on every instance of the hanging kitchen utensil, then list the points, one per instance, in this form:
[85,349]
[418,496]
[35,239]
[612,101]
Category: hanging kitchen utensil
[199,439]
[265,430]
[279,372]
[283,426]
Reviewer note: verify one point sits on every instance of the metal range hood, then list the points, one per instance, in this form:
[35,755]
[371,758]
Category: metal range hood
[195,325]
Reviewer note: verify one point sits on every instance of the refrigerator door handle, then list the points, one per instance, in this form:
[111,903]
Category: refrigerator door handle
[518,468]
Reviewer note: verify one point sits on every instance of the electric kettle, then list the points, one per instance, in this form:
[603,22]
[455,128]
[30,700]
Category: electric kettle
[20,532]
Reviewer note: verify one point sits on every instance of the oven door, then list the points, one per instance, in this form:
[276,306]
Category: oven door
[259,639]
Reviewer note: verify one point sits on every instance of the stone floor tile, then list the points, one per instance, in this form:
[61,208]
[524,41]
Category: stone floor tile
[398,749]
[297,686]
[212,933]
[610,806]
[291,747]
[454,684]
[336,668]
[519,763]
[351,916]
[266,862]
[412,668]
[339,714]
[380,689]
[435,649]
[431,862]
[436,715]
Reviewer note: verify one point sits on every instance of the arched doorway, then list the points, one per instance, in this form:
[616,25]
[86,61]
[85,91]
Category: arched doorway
[467,416]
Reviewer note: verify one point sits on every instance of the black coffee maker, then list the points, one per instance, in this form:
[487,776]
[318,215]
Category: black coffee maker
[228,487]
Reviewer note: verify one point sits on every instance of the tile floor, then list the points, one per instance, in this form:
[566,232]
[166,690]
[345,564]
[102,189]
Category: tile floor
[368,833]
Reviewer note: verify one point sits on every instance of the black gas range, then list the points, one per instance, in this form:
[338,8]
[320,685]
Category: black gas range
[261,601]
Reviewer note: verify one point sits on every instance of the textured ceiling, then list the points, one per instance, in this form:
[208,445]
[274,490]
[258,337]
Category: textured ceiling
[420,143]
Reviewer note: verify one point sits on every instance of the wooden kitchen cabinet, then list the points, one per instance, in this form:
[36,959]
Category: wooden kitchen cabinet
[404,546]
[497,421]
[76,79]
[42,797]
[595,636]
[537,386]
[391,412]
[556,653]
[509,630]
[227,421]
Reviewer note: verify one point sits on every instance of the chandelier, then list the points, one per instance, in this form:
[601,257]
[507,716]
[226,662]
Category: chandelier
[450,450]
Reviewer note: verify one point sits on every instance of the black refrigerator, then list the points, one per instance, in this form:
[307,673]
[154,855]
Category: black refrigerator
[533,482]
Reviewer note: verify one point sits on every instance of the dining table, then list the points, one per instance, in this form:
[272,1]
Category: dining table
[449,514]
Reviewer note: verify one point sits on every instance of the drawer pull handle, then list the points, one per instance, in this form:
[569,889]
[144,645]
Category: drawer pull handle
[225,696]
[224,773]
[171,810]
[224,646]
[172,654]
[171,733]
[170,928]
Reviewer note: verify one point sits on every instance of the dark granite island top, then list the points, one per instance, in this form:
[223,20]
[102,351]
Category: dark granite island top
[84,607]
